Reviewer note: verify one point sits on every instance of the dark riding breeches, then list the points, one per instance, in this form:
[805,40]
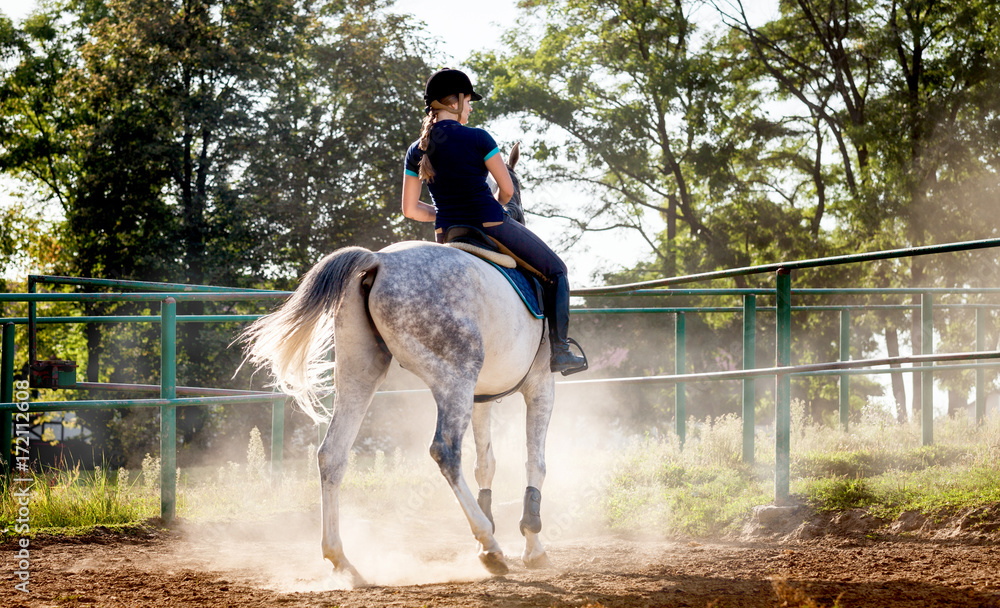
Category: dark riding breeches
[524,244]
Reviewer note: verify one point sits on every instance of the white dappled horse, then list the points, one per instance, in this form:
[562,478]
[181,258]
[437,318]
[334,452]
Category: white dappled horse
[447,316]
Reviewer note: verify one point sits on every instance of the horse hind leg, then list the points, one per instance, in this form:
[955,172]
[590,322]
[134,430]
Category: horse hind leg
[358,377]
[454,414]
[486,464]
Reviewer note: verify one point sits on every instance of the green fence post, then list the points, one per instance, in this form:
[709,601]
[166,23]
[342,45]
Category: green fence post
[680,405]
[168,413]
[749,384]
[927,378]
[845,355]
[277,439]
[980,373]
[783,386]
[7,396]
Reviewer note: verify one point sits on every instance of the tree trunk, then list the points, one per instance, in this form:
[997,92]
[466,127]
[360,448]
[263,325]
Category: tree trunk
[956,402]
[94,351]
[671,235]
[898,388]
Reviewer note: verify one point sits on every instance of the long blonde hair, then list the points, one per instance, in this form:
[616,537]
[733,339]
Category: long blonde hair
[426,170]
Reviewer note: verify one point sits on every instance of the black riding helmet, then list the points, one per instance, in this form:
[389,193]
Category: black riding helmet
[445,82]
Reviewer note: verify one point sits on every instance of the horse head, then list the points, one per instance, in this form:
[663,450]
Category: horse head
[513,207]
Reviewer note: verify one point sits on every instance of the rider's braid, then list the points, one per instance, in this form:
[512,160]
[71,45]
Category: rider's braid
[425,169]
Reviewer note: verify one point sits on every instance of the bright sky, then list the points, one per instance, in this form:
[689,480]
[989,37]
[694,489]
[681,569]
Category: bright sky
[477,26]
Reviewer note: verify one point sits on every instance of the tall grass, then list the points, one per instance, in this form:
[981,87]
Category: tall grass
[704,489]
[701,489]
[74,497]
[882,466]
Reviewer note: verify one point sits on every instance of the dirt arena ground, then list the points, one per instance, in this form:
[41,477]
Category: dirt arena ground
[277,564]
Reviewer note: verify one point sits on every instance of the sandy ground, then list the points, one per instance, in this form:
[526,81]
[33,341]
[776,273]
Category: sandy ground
[277,564]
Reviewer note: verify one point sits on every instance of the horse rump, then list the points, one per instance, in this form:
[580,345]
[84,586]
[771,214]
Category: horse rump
[293,341]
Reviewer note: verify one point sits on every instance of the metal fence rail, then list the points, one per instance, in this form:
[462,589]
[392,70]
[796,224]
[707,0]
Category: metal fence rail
[168,390]
[168,295]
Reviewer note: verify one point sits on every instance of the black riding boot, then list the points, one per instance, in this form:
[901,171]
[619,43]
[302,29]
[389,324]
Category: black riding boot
[563,360]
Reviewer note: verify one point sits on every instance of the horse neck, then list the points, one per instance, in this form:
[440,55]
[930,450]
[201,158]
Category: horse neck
[515,201]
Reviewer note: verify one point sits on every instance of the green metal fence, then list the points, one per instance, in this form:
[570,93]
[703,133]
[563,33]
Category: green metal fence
[168,400]
[783,370]
[168,295]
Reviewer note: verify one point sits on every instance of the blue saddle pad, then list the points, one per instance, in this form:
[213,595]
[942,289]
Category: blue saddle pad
[524,285]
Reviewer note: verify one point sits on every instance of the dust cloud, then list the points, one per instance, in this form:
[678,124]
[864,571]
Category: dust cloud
[400,521]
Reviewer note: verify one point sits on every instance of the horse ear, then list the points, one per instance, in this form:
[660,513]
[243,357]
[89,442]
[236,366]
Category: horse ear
[515,154]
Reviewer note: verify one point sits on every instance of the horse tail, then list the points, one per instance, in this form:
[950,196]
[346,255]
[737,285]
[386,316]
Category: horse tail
[293,342]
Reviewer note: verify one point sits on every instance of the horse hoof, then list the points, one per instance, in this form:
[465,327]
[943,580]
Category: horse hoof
[538,562]
[495,563]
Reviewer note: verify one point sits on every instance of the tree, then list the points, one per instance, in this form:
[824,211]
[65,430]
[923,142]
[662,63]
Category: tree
[831,129]
[905,89]
[201,141]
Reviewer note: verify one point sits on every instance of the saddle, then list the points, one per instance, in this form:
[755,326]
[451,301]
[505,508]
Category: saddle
[521,276]
[475,241]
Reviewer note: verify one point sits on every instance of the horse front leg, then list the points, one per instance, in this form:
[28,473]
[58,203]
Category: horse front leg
[486,463]
[539,397]
[454,413]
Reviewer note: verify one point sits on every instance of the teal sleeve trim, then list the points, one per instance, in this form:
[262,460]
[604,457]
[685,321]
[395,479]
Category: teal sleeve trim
[408,172]
[490,155]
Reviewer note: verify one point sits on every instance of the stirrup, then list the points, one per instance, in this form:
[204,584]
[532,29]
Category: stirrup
[579,368]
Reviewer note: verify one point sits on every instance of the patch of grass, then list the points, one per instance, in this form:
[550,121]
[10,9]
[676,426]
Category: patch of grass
[934,490]
[961,471]
[704,489]
[134,529]
[836,464]
[930,456]
[75,498]
[859,463]
[937,490]
[839,494]
[701,490]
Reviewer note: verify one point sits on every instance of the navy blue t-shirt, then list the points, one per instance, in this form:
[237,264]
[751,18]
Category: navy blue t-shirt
[459,189]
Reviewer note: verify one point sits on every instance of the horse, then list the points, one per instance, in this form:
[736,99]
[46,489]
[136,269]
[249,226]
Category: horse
[450,318]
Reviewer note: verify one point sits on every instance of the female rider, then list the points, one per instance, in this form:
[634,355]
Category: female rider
[454,160]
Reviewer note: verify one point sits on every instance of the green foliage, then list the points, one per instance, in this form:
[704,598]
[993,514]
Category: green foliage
[627,104]
[930,491]
[833,128]
[699,491]
[229,143]
[74,498]
[840,494]
[856,464]
[704,490]
[211,142]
